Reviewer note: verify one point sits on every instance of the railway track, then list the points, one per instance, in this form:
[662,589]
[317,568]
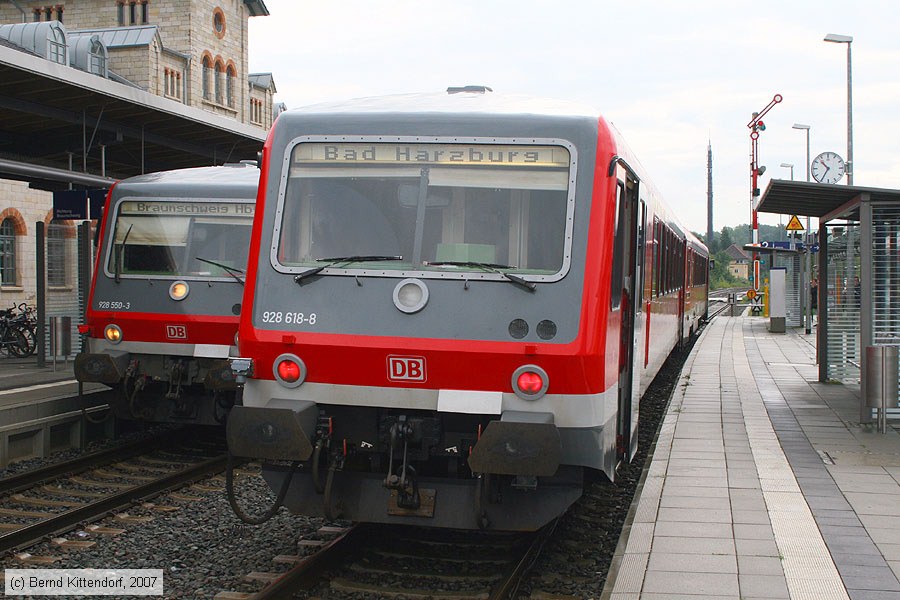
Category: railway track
[50,501]
[405,562]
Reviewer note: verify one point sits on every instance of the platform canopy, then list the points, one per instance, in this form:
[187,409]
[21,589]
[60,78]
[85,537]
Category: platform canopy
[820,200]
[49,112]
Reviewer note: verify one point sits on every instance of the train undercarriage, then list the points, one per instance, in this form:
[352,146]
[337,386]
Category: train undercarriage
[162,389]
[409,467]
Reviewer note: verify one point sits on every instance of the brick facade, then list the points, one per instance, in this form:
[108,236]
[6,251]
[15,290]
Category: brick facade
[186,27]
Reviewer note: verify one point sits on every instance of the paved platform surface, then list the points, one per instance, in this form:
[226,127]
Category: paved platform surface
[763,483]
[24,372]
[21,380]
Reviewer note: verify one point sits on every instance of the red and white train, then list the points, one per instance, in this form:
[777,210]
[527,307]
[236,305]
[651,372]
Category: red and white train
[453,304]
[166,292]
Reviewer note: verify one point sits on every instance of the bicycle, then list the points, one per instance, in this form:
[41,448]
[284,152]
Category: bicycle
[17,331]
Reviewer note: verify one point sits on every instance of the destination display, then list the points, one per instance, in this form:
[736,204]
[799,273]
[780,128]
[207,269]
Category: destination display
[181,209]
[435,154]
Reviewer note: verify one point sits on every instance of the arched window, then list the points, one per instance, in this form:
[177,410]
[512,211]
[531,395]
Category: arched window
[7,252]
[218,83]
[207,66]
[98,57]
[57,46]
[56,254]
[230,77]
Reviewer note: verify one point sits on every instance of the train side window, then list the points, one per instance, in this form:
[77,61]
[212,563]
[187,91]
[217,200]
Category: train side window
[615,295]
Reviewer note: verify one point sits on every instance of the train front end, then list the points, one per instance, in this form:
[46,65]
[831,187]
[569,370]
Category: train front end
[424,338]
[166,293]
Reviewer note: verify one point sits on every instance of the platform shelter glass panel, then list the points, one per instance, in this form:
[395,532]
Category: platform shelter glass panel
[886,275]
[844,294]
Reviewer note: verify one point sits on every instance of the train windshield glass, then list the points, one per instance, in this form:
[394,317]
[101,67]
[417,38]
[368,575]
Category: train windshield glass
[180,238]
[428,203]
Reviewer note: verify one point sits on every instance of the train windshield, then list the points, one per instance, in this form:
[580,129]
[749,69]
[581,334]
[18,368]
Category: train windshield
[441,207]
[180,238]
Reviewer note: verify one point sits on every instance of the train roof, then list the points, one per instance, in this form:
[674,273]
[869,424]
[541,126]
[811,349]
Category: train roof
[242,178]
[478,101]
[470,102]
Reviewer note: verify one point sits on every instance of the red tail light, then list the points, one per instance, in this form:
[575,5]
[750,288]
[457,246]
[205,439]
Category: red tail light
[84,329]
[289,371]
[530,382]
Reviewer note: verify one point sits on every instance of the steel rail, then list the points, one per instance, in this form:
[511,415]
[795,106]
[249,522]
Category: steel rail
[31,534]
[509,583]
[309,571]
[32,477]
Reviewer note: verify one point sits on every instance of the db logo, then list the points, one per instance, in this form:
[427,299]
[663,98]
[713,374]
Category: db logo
[406,368]
[176,332]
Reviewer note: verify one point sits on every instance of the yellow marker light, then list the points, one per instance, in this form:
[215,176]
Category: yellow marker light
[113,333]
[179,290]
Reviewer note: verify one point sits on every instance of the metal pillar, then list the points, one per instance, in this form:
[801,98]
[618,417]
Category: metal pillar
[41,274]
[866,294]
[822,329]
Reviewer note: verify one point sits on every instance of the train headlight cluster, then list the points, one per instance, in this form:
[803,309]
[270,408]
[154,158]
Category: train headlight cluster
[179,290]
[113,333]
[289,370]
[410,296]
[530,382]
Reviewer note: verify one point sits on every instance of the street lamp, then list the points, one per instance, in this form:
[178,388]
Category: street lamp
[847,39]
[789,166]
[806,128]
[806,291]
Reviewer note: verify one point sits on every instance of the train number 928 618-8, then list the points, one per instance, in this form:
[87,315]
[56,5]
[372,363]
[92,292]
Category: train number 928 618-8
[288,318]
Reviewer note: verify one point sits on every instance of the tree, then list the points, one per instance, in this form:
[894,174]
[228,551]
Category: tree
[725,240]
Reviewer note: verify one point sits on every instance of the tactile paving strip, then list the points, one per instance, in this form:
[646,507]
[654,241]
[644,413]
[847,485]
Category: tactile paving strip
[808,567]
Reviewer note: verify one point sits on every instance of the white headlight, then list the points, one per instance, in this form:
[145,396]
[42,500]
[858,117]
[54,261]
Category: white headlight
[410,296]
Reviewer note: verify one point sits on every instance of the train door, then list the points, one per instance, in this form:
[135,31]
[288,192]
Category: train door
[683,297]
[624,293]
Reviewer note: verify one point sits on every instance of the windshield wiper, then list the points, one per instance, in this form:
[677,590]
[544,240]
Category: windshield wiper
[233,271]
[492,267]
[119,255]
[334,260]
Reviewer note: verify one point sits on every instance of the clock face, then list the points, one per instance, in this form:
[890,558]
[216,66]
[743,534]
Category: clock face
[827,167]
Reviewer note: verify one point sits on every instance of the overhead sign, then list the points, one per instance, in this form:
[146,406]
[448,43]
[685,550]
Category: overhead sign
[77,205]
[794,224]
[70,205]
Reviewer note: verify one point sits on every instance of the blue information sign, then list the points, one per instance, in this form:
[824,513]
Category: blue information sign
[69,205]
[77,205]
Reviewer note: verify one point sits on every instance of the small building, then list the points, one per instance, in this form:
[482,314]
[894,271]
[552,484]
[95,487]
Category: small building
[739,265]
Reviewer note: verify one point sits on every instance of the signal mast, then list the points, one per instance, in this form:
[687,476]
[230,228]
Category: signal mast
[756,125]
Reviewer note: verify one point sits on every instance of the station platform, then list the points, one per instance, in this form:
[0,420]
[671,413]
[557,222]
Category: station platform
[763,483]
[41,410]
[24,372]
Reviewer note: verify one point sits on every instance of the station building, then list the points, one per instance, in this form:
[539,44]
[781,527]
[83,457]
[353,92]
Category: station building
[108,89]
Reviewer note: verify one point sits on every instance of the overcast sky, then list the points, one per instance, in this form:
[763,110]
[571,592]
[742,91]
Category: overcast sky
[672,76]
